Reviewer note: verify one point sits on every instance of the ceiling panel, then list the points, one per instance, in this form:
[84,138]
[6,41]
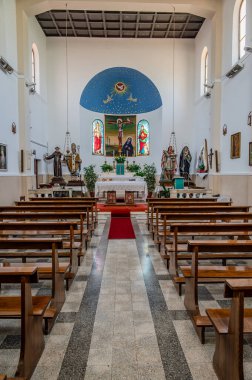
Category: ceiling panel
[106,24]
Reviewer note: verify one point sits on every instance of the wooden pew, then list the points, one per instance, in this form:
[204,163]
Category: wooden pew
[195,274]
[54,270]
[30,310]
[62,201]
[58,209]
[151,202]
[167,218]
[230,325]
[162,209]
[49,216]
[241,230]
[68,229]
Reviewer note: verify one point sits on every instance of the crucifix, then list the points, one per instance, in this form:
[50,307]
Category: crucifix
[211,154]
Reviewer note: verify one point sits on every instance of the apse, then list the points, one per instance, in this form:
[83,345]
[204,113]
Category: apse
[120,90]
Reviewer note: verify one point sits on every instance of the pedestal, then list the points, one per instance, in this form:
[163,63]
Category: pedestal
[120,169]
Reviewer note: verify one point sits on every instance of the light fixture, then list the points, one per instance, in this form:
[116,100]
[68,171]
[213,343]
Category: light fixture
[207,85]
[248,49]
[207,94]
[172,142]
[5,66]
[234,70]
[31,86]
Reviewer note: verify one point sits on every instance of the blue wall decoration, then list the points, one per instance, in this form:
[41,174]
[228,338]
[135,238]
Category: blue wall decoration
[120,90]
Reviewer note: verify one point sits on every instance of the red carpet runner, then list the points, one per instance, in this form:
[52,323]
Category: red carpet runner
[121,226]
[138,207]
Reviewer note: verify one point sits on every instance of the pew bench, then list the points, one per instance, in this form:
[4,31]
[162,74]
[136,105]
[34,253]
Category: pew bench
[42,247]
[230,325]
[189,207]
[30,309]
[58,217]
[212,217]
[177,251]
[195,274]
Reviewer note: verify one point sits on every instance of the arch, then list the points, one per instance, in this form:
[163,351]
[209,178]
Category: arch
[204,71]
[120,90]
[35,73]
[239,30]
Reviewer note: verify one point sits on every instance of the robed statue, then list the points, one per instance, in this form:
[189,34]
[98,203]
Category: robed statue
[185,162]
[73,160]
[168,164]
[57,168]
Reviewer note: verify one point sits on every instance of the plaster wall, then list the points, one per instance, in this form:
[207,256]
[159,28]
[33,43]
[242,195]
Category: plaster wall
[153,58]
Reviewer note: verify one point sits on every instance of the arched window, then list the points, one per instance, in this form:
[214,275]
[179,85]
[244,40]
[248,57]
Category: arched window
[98,137]
[35,67]
[242,28]
[239,30]
[143,138]
[204,71]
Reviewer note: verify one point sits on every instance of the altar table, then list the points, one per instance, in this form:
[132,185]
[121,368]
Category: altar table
[120,186]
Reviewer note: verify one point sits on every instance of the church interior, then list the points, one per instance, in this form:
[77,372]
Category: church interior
[125,238]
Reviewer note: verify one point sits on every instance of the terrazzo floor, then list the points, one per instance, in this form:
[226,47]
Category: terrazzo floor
[122,319]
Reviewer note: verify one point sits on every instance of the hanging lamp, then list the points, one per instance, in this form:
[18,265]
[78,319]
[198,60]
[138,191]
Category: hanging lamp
[172,142]
[67,145]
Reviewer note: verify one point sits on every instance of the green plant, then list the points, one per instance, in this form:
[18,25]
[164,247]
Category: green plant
[106,168]
[149,176]
[120,159]
[134,168]
[90,177]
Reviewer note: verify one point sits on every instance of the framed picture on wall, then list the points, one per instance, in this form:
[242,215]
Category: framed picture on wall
[3,157]
[235,148]
[250,154]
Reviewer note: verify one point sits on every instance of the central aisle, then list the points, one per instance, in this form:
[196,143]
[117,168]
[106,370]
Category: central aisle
[123,318]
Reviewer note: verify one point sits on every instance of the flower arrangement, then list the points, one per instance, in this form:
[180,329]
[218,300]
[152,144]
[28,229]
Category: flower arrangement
[106,168]
[120,159]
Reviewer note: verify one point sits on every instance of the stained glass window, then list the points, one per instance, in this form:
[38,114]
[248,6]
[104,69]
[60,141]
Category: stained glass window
[143,138]
[98,138]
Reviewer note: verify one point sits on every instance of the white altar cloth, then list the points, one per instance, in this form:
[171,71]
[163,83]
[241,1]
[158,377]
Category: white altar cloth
[102,186]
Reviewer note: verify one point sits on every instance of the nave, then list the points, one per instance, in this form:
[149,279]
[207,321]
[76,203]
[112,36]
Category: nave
[122,319]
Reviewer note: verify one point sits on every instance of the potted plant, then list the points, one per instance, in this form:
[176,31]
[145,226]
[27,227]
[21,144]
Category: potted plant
[149,175]
[120,164]
[90,178]
[134,168]
[106,168]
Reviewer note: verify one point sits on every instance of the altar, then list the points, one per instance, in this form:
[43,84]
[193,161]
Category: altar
[120,184]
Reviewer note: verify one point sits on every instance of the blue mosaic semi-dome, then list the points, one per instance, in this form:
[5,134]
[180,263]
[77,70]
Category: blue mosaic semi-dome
[120,90]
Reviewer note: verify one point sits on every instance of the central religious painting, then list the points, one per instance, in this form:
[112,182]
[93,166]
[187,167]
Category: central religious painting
[120,135]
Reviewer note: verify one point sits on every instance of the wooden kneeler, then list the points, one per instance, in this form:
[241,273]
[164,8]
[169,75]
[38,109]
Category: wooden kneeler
[30,310]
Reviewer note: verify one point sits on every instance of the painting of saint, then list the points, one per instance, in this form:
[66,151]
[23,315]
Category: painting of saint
[3,157]
[98,134]
[120,135]
[143,146]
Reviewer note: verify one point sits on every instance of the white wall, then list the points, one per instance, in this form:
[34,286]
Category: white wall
[202,105]
[8,86]
[88,57]
[236,100]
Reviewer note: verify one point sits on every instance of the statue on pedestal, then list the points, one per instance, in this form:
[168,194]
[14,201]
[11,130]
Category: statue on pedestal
[168,165]
[185,162]
[73,160]
[57,168]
